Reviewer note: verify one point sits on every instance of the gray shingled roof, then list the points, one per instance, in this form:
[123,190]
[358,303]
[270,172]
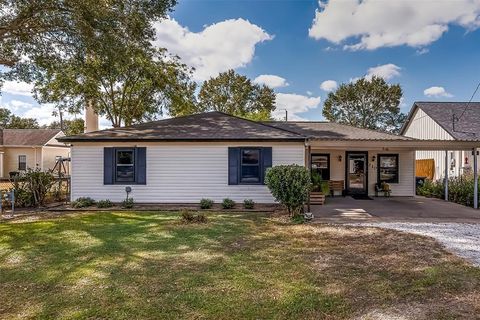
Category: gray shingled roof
[27,137]
[466,128]
[334,131]
[210,126]
[217,126]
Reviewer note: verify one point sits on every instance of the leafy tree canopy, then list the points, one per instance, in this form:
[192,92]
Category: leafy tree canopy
[366,103]
[44,28]
[70,127]
[96,53]
[234,94]
[11,121]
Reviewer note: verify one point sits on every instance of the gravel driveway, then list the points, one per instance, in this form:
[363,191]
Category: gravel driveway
[460,238]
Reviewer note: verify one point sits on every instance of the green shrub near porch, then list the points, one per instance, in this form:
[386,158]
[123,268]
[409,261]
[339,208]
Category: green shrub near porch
[460,189]
[289,185]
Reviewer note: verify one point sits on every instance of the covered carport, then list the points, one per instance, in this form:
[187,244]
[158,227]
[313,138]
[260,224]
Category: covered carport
[390,145]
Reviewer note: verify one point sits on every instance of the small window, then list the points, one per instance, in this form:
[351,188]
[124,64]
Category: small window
[125,165]
[22,162]
[321,164]
[250,166]
[388,168]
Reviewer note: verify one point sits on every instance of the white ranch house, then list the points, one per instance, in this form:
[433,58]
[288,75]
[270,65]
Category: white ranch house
[215,155]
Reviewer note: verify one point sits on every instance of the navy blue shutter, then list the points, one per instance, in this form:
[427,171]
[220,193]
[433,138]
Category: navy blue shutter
[233,165]
[108,165]
[141,165]
[266,161]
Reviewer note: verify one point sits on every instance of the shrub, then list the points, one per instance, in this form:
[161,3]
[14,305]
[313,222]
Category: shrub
[32,187]
[189,217]
[127,203]
[460,189]
[248,204]
[104,204]
[228,203]
[83,202]
[289,185]
[206,203]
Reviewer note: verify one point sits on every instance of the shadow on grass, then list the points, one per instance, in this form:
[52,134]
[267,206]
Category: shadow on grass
[149,265]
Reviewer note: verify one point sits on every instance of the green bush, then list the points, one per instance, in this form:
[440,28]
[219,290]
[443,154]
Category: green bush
[248,204]
[206,203]
[128,203]
[289,185]
[104,204]
[189,217]
[460,189]
[32,187]
[83,202]
[228,203]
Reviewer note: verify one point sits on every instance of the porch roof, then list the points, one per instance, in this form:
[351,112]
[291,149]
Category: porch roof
[385,145]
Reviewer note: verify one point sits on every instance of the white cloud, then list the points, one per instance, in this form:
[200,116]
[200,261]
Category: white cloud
[437,92]
[43,113]
[295,104]
[309,93]
[17,88]
[386,71]
[371,24]
[221,46]
[271,80]
[328,85]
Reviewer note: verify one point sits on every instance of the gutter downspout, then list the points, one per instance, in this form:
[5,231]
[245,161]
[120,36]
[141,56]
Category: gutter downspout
[308,165]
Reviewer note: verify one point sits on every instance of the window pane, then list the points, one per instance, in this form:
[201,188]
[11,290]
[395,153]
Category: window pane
[250,174]
[125,157]
[388,162]
[125,174]
[319,162]
[250,156]
[388,175]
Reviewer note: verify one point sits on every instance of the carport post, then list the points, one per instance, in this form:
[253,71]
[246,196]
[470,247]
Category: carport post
[475,179]
[446,175]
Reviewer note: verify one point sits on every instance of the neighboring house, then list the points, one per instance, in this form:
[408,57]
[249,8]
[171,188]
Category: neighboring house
[30,148]
[215,155]
[455,121]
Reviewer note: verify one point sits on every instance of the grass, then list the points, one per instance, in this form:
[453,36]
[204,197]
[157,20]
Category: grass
[124,265]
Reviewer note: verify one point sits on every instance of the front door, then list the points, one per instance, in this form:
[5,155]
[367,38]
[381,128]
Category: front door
[357,172]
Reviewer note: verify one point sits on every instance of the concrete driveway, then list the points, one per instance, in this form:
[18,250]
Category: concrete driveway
[347,209]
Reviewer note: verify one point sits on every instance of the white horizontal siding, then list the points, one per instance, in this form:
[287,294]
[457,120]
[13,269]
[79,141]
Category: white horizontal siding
[176,173]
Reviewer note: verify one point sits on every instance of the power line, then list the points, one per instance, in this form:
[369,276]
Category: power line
[469,101]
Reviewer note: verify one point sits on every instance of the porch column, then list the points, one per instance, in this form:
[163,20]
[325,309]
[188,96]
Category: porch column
[309,165]
[475,178]
[446,175]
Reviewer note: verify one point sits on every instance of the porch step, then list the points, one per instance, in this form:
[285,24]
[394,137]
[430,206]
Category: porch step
[317,198]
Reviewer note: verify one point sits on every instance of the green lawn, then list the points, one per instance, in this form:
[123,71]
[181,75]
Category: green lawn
[132,265]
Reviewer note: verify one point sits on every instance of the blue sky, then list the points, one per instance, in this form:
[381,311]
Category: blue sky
[431,48]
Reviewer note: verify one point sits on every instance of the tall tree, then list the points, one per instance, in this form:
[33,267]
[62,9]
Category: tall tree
[92,51]
[42,28]
[70,127]
[366,103]
[128,84]
[235,94]
[11,121]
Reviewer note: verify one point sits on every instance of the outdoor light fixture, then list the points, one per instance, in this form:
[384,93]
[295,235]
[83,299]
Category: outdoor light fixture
[339,158]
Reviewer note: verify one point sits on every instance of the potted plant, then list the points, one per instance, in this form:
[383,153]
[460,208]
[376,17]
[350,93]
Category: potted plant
[320,189]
